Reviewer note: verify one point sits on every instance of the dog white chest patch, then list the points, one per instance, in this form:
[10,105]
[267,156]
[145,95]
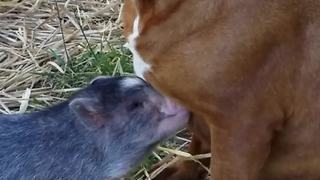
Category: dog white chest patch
[139,65]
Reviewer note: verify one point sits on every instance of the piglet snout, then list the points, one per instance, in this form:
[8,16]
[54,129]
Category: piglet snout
[170,108]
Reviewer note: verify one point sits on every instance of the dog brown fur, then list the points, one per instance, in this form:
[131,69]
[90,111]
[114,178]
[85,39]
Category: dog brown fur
[249,70]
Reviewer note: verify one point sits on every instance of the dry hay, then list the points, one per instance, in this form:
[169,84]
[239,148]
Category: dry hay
[30,33]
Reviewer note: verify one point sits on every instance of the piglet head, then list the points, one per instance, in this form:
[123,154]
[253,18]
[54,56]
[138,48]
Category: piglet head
[127,117]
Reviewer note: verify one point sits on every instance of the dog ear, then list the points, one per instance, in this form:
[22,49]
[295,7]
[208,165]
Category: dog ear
[132,9]
[90,112]
[150,12]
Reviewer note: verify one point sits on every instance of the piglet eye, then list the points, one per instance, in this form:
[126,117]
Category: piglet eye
[135,105]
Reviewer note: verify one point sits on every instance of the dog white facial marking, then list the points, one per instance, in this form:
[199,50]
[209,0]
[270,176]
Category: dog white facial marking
[139,65]
[130,82]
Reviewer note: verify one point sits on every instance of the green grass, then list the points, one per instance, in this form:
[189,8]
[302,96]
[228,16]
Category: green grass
[82,69]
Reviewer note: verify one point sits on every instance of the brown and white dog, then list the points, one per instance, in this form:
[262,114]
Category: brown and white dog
[248,70]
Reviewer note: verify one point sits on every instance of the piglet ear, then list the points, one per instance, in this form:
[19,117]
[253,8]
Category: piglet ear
[89,111]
